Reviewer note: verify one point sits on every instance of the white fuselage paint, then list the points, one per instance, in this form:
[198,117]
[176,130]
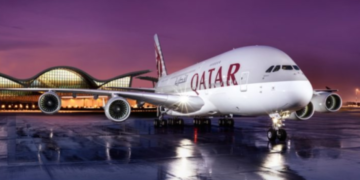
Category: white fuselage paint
[244,87]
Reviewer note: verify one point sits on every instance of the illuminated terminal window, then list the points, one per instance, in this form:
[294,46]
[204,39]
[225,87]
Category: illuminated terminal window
[6,83]
[98,83]
[60,78]
[123,82]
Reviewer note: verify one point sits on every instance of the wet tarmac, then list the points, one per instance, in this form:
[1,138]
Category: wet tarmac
[92,147]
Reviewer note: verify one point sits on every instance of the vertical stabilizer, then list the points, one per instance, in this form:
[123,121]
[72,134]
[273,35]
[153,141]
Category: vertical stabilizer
[160,65]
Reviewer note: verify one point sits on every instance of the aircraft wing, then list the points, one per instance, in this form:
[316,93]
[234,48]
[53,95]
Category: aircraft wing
[133,89]
[328,89]
[176,102]
[325,90]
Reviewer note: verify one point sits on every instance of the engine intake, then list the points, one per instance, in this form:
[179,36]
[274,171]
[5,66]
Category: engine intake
[117,109]
[49,103]
[303,114]
[327,102]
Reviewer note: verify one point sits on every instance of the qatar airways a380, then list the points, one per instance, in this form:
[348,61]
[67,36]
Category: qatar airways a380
[246,81]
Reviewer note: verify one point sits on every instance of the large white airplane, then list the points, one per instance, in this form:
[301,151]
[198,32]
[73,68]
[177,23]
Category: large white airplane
[247,81]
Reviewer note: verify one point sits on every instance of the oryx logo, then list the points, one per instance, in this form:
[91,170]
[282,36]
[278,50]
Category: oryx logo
[181,79]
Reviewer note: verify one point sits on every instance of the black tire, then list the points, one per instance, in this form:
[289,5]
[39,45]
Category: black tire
[272,134]
[180,122]
[281,134]
[156,123]
[230,122]
[170,122]
[208,122]
[163,122]
[221,122]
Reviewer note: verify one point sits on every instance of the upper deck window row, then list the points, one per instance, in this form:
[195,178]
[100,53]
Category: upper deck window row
[283,67]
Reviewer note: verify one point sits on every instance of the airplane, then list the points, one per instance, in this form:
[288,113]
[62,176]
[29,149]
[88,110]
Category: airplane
[246,81]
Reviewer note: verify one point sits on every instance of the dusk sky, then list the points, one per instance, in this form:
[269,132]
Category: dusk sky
[110,37]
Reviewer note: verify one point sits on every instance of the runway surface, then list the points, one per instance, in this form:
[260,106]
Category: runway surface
[92,147]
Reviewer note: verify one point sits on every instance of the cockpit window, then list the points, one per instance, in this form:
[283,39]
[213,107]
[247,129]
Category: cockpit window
[296,68]
[270,69]
[287,67]
[277,68]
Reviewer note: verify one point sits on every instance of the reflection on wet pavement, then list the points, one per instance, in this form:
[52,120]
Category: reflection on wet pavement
[91,147]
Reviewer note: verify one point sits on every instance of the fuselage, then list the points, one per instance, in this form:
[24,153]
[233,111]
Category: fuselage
[242,82]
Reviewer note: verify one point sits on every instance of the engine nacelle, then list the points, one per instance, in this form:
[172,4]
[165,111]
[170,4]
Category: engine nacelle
[117,109]
[303,114]
[326,102]
[49,103]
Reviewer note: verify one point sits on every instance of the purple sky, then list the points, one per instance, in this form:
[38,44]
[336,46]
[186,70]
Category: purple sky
[107,38]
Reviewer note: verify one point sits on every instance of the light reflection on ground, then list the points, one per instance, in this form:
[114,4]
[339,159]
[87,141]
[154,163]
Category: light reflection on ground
[91,147]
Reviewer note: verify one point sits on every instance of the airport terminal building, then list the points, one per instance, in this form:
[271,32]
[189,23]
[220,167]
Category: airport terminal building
[62,77]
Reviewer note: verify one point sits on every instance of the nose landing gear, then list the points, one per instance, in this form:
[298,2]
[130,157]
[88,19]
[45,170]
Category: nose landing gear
[276,131]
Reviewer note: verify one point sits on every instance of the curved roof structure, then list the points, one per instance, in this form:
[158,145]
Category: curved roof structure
[68,77]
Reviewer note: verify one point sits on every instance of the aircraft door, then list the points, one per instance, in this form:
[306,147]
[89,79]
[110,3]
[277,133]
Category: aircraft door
[244,81]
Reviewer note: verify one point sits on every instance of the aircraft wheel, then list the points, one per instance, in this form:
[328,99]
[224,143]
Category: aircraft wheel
[163,122]
[170,122]
[181,122]
[281,134]
[230,122]
[271,134]
[207,122]
[221,122]
[156,123]
[196,122]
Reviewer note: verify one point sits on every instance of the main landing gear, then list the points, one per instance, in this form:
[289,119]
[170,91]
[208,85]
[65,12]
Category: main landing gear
[226,122]
[202,121]
[276,131]
[170,122]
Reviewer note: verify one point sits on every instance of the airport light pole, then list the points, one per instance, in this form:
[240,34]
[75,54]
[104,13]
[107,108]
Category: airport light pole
[356,95]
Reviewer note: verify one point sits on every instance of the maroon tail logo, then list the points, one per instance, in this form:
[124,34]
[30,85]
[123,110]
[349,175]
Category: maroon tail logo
[158,61]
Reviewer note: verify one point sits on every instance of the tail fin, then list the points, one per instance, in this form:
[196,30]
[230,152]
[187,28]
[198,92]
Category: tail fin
[160,65]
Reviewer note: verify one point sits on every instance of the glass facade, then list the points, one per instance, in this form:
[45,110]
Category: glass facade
[123,82]
[60,78]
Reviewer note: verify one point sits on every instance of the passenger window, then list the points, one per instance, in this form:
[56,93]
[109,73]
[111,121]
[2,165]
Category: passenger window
[277,68]
[287,67]
[270,69]
[296,68]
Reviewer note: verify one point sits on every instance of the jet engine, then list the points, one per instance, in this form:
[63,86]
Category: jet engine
[326,102]
[303,114]
[49,103]
[117,109]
